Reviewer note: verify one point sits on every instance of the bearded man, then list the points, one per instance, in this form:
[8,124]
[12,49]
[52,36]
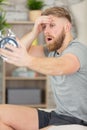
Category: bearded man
[63,59]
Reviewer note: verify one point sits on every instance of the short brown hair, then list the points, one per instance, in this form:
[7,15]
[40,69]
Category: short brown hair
[58,12]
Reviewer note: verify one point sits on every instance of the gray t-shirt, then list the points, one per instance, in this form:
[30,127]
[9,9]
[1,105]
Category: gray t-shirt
[70,91]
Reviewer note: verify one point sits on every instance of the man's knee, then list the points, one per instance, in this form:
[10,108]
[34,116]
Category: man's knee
[2,108]
[5,113]
[5,127]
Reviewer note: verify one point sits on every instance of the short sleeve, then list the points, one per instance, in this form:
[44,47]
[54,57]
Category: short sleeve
[80,51]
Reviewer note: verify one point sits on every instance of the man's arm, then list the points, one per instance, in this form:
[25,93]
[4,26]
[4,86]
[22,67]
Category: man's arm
[28,38]
[64,65]
[37,51]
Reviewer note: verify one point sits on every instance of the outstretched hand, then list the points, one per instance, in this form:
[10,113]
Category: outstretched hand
[17,56]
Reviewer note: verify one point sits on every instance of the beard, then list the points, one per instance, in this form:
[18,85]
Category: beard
[57,44]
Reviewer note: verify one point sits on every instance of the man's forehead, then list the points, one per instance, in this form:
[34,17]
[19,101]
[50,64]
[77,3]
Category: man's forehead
[54,18]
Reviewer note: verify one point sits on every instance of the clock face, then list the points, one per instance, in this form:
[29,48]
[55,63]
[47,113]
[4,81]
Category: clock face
[4,42]
[8,40]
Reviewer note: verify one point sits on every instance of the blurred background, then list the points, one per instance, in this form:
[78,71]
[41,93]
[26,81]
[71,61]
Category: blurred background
[18,11]
[20,85]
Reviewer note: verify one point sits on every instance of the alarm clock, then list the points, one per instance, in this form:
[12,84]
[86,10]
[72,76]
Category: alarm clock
[10,39]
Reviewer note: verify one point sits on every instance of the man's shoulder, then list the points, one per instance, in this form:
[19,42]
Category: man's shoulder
[76,44]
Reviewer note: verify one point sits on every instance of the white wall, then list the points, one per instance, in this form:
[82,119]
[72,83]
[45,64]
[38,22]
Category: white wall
[80,13]
[17,11]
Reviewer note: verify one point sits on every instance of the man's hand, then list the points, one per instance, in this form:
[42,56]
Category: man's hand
[17,56]
[42,20]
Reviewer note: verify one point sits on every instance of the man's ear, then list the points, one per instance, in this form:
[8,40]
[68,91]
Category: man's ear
[67,27]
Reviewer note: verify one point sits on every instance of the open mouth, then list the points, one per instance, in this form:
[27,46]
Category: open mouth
[49,39]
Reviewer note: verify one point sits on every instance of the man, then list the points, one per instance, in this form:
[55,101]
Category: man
[66,66]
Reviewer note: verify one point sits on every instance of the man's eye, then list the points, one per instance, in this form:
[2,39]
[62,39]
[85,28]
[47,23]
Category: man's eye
[43,27]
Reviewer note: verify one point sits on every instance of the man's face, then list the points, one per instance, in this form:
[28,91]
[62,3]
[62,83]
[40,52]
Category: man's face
[54,34]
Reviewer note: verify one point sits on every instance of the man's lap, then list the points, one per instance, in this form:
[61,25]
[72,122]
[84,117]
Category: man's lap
[51,118]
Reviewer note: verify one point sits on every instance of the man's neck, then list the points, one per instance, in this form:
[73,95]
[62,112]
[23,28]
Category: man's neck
[66,42]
